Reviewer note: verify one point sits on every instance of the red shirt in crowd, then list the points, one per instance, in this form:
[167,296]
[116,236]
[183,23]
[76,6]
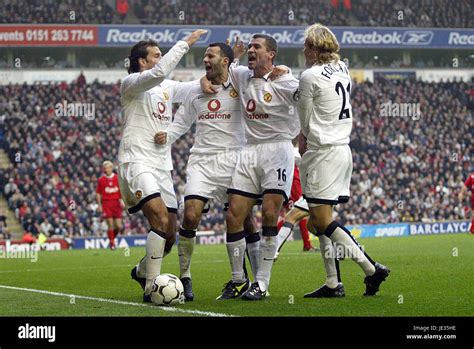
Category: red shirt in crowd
[470,186]
[108,187]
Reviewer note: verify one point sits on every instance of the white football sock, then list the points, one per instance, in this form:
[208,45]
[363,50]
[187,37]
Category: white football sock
[352,249]
[236,252]
[185,251]
[253,250]
[268,248]
[283,234]
[330,262]
[155,246]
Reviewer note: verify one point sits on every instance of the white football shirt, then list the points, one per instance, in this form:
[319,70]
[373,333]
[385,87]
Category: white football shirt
[324,105]
[146,100]
[218,118]
[269,109]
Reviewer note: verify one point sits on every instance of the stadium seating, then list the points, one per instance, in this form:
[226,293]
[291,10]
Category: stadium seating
[57,159]
[423,13]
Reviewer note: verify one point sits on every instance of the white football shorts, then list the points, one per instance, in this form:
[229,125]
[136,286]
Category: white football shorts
[140,183]
[326,175]
[209,176]
[264,168]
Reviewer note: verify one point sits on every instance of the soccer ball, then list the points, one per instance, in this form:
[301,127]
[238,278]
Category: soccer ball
[167,289]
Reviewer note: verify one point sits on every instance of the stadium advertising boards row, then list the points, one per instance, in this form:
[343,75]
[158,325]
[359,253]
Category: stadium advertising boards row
[212,238]
[363,231]
[286,36]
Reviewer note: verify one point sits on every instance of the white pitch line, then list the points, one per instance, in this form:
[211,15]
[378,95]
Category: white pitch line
[105,300]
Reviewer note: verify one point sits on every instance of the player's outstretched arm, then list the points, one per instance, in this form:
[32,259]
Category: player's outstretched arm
[140,82]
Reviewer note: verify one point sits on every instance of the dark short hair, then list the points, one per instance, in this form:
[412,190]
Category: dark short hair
[226,51]
[270,42]
[139,50]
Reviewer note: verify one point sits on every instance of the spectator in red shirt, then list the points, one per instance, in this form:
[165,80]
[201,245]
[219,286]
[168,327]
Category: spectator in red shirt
[469,185]
[110,202]
[122,9]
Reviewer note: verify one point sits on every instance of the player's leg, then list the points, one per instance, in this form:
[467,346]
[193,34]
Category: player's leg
[239,208]
[271,207]
[157,214]
[333,286]
[307,245]
[276,166]
[117,216]
[171,230]
[329,184]
[472,220]
[291,218]
[110,232]
[187,238]
[252,239]
[117,223]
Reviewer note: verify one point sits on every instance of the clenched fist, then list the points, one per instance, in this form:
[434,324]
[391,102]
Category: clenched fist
[160,138]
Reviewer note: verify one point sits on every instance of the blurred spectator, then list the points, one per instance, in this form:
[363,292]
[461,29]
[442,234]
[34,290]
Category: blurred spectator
[4,233]
[122,9]
[390,13]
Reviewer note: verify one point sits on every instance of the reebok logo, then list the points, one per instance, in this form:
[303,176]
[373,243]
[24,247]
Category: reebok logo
[413,37]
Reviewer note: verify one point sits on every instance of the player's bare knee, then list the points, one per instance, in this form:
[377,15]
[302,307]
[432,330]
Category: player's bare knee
[270,214]
[158,221]
[191,219]
[233,218]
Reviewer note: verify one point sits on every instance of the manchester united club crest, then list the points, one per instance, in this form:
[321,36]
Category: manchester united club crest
[138,194]
[166,96]
[267,97]
[233,93]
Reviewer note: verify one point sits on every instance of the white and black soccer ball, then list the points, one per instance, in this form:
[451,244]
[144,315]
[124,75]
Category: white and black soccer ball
[167,289]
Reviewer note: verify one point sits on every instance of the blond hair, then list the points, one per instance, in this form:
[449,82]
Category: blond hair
[323,41]
[107,163]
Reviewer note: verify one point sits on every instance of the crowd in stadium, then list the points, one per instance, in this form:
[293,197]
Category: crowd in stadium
[423,13]
[405,168]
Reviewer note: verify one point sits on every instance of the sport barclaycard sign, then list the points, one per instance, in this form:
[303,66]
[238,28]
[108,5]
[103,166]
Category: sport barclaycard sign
[286,36]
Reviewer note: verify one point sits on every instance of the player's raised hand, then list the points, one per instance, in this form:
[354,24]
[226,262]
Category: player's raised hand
[160,138]
[238,47]
[278,71]
[194,36]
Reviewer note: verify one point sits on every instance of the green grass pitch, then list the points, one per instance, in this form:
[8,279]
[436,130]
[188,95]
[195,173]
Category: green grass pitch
[431,276]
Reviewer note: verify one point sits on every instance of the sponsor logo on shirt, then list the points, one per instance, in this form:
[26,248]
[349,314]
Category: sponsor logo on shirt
[213,105]
[251,106]
[214,116]
[160,115]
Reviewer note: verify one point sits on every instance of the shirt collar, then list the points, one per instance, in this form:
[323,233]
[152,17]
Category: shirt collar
[265,77]
[225,85]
